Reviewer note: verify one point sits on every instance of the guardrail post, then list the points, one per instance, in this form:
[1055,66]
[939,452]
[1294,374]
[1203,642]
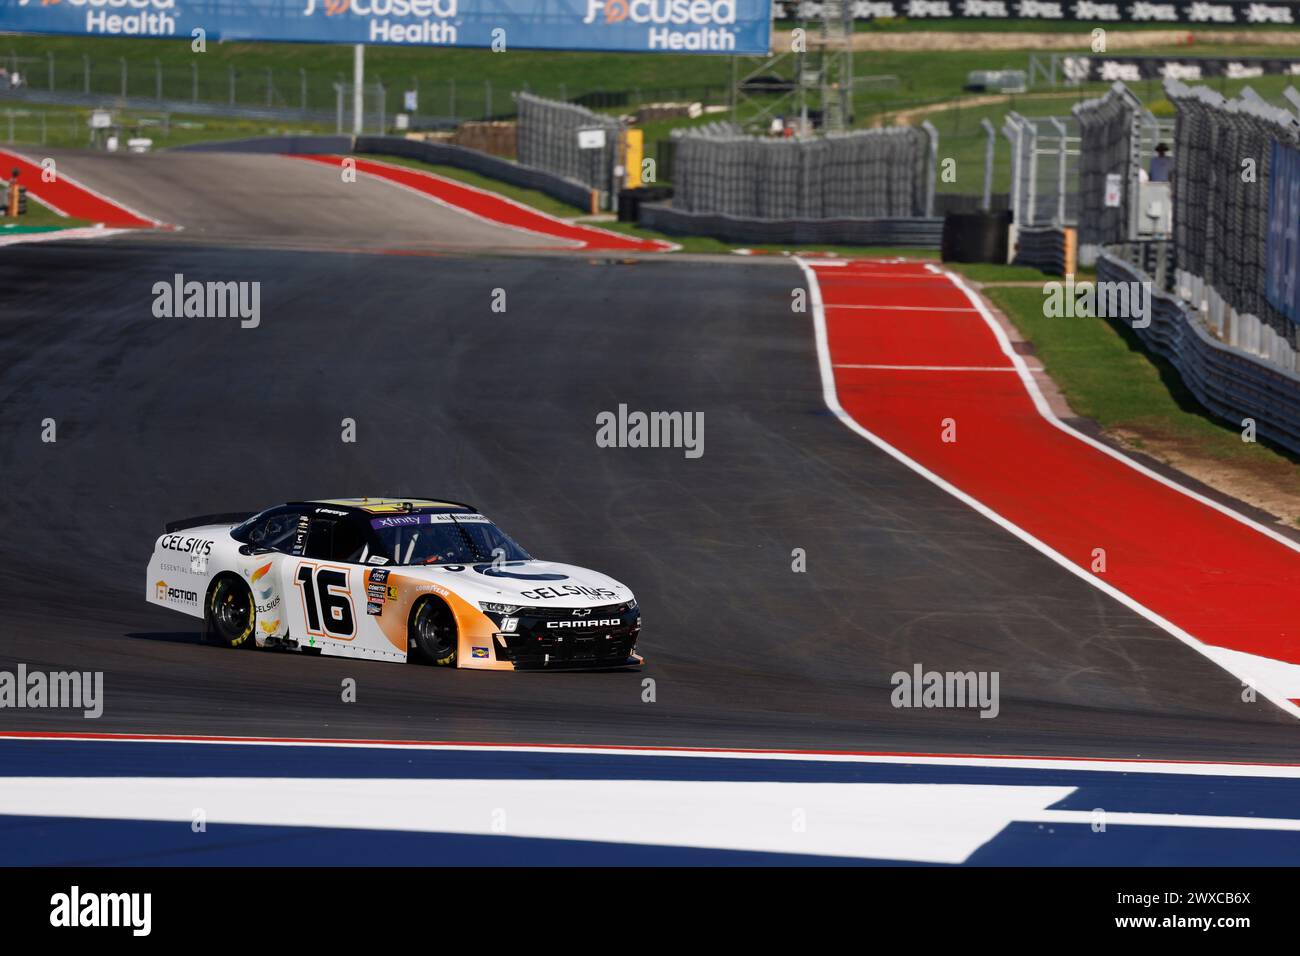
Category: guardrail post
[157,76]
[933,164]
[358,88]
[1061,133]
[990,134]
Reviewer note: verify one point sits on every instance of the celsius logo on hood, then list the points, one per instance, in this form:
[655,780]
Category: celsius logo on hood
[696,12]
[567,590]
[385,8]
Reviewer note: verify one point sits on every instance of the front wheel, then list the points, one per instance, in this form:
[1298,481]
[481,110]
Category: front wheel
[230,615]
[433,631]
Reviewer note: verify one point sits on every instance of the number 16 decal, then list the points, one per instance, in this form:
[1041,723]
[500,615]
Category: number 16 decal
[326,596]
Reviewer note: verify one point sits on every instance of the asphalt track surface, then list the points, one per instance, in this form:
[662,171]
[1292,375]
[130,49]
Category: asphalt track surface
[261,200]
[164,418]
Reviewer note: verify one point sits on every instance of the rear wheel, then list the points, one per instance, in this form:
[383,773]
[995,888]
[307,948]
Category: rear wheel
[433,631]
[230,615]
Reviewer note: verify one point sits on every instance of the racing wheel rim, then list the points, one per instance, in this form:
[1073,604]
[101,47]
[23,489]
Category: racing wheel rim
[231,611]
[435,631]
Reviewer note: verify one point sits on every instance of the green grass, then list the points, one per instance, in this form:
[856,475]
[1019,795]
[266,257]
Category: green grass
[994,272]
[42,216]
[68,126]
[478,83]
[1106,375]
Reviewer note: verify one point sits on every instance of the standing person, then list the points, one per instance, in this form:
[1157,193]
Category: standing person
[1162,164]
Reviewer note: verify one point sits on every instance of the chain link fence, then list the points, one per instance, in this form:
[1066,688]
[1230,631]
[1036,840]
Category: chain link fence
[867,174]
[549,139]
[1223,156]
[1045,156]
[1107,150]
[251,90]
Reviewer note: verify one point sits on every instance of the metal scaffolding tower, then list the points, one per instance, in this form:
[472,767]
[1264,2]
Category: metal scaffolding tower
[826,69]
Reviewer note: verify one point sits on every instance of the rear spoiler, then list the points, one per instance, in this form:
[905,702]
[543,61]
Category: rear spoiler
[233,517]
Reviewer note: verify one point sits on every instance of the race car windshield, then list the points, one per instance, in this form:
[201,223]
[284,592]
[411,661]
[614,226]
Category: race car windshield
[442,539]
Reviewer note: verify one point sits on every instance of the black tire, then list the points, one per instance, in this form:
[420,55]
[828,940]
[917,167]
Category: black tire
[432,629]
[229,613]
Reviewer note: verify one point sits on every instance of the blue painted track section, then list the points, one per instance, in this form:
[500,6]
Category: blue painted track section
[27,840]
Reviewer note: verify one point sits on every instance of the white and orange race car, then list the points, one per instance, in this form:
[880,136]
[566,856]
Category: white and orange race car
[391,579]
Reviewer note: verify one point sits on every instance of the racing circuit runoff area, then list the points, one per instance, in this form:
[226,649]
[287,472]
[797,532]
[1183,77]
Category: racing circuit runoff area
[826,539]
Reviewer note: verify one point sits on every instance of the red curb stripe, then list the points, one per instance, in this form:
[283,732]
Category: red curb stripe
[488,745]
[71,198]
[498,209]
[1219,579]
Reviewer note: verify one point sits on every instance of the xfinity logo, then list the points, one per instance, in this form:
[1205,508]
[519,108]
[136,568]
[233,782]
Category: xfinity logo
[609,622]
[679,12]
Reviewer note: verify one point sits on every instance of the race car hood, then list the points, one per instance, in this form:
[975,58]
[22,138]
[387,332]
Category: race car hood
[526,583]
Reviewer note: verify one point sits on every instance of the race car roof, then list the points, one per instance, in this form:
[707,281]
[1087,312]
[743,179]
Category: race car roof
[388,506]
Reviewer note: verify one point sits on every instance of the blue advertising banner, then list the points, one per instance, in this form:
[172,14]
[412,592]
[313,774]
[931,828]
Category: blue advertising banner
[1282,271]
[634,26]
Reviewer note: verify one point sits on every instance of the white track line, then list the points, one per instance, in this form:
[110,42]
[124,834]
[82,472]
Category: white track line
[1091,764]
[85,232]
[831,398]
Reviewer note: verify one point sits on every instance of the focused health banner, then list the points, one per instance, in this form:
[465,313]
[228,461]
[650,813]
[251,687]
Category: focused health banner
[633,26]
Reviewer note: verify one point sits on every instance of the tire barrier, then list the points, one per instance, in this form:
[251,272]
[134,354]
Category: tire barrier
[918,232]
[630,200]
[1230,382]
[462,157]
[1052,249]
[548,140]
[975,237]
[878,173]
[294,145]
